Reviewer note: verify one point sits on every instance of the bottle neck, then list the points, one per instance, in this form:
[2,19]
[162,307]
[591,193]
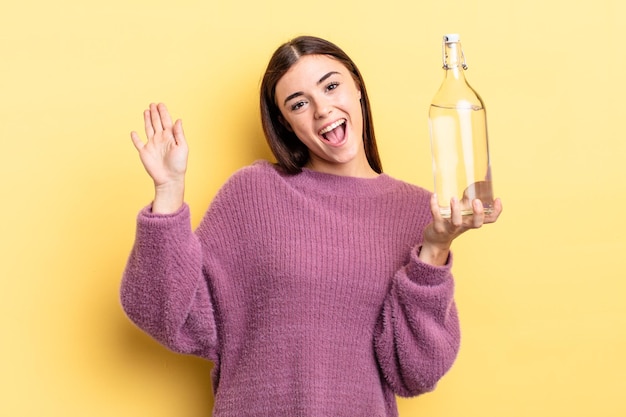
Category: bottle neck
[453,59]
[455,91]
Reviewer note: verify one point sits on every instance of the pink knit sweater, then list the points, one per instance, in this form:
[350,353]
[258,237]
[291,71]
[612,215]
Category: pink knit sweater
[305,291]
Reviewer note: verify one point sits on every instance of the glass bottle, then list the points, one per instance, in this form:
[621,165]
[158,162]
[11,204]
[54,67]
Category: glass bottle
[458,137]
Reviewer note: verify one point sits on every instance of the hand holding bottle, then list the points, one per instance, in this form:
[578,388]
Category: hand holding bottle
[164,156]
[440,233]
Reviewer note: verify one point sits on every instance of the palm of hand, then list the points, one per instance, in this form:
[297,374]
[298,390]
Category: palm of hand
[164,155]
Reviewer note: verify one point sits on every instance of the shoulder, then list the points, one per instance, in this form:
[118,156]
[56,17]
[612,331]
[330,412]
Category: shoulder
[409,202]
[408,189]
[247,182]
[242,194]
[252,178]
[260,170]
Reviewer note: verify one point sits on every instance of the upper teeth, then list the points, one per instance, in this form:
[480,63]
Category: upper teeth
[332,126]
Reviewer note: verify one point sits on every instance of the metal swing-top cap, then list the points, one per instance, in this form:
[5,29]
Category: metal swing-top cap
[451,37]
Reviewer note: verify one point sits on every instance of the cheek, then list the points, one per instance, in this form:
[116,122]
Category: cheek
[355,100]
[298,126]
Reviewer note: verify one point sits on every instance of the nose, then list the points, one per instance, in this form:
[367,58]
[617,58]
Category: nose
[322,108]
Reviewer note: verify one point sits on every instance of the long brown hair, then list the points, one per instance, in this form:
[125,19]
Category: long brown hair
[290,153]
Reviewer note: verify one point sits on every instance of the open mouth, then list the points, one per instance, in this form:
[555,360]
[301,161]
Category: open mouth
[335,132]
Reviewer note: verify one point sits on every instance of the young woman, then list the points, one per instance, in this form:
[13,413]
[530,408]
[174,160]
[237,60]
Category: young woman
[318,285]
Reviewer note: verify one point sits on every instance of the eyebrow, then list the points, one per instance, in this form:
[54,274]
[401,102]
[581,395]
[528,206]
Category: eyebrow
[321,80]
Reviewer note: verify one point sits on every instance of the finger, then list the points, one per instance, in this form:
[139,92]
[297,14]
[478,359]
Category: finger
[179,133]
[435,211]
[497,205]
[147,122]
[495,213]
[456,216]
[155,118]
[478,216]
[434,207]
[136,140]
[166,120]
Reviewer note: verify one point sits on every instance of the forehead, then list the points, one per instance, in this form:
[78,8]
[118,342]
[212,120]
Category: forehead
[307,71]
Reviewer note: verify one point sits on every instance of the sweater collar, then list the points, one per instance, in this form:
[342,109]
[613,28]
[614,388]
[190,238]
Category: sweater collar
[339,185]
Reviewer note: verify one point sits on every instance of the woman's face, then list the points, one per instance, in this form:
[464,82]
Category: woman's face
[320,102]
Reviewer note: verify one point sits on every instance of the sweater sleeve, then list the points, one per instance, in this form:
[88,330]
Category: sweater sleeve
[417,335]
[163,289]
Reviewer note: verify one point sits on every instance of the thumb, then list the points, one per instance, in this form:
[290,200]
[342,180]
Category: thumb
[136,140]
[179,133]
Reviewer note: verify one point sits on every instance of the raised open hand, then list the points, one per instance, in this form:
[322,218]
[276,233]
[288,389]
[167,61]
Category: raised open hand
[440,233]
[164,156]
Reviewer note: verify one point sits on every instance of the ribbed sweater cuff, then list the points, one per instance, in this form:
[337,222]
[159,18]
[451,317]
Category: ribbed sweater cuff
[426,273]
[147,214]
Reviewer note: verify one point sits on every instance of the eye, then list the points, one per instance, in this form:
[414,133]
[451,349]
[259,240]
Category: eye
[297,105]
[332,86]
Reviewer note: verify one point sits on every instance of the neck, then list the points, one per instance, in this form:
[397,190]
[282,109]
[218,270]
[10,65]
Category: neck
[359,169]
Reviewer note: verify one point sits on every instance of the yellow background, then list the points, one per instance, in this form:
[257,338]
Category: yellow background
[541,293]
